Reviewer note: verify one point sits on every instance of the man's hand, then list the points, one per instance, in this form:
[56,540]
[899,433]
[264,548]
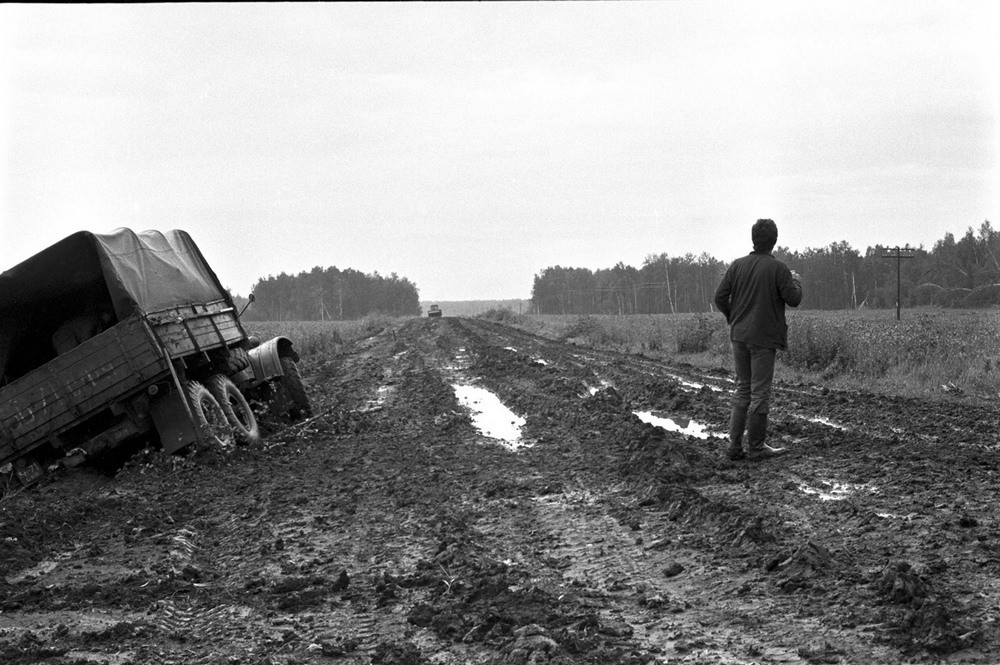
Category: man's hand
[795,277]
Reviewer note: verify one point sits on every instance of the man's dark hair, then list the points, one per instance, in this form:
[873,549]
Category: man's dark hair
[764,235]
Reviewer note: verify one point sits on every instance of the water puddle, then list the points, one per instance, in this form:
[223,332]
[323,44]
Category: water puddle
[490,416]
[593,390]
[834,491]
[460,362]
[679,425]
[462,357]
[381,395]
[895,516]
[33,573]
[828,423]
[691,384]
[823,421]
[537,361]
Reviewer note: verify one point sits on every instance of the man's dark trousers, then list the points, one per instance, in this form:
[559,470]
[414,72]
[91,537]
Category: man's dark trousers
[754,375]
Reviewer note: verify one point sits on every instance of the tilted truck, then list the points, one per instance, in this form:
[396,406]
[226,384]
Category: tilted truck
[111,338]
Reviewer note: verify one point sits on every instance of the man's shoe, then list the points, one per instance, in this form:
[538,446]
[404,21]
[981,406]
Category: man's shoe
[735,452]
[766,452]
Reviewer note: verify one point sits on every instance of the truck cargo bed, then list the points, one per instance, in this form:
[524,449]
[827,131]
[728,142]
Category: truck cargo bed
[196,328]
[110,366]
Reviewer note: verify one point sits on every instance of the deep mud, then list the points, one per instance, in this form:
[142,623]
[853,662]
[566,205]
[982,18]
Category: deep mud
[388,530]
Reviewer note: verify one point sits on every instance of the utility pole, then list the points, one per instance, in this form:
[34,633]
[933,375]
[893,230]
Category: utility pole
[898,253]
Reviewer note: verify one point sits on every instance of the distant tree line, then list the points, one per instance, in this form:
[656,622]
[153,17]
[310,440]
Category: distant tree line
[325,294]
[954,273]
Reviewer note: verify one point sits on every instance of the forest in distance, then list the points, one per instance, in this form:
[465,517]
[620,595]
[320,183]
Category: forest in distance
[955,272]
[962,272]
[330,294]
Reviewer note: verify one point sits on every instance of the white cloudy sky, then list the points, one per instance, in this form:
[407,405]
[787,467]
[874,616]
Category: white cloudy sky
[467,146]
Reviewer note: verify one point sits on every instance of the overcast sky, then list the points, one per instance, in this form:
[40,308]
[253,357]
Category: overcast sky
[467,146]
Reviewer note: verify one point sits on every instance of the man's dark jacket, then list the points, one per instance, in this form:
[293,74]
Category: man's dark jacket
[753,295]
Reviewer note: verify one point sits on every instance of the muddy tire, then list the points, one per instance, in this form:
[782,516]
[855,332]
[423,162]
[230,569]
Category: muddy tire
[209,416]
[292,384]
[237,409]
[237,360]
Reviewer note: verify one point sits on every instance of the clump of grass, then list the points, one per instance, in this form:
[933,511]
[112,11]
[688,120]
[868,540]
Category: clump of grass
[696,335]
[308,337]
[586,329]
[320,337]
[820,345]
[501,315]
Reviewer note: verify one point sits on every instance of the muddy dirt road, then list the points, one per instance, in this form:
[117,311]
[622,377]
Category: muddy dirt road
[390,529]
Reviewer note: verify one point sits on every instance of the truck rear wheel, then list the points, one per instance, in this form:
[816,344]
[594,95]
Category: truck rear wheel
[237,409]
[291,381]
[209,416]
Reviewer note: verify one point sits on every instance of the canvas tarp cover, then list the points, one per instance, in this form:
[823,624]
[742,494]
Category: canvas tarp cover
[143,272]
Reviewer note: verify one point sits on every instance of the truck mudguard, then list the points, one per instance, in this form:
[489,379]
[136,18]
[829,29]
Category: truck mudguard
[265,361]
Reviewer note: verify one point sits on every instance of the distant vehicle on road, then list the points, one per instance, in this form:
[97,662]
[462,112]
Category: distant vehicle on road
[434,311]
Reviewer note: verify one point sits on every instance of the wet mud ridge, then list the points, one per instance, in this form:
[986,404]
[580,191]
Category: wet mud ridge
[471,493]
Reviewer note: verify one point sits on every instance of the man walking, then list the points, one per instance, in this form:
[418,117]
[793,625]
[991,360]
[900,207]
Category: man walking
[753,295]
